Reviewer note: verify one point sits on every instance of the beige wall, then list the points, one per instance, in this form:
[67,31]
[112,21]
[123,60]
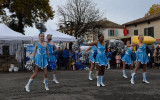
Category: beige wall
[140,28]
[105,33]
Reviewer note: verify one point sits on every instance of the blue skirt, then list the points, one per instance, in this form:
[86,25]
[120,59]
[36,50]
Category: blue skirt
[142,57]
[127,59]
[101,60]
[52,58]
[41,61]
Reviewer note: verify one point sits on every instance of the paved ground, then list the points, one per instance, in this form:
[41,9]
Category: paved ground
[74,85]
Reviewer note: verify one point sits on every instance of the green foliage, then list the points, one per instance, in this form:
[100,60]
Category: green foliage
[28,12]
[153,10]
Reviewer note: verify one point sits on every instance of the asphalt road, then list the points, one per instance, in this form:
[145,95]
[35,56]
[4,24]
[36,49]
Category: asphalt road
[74,85]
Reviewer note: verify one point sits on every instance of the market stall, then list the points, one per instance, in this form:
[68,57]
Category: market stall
[11,47]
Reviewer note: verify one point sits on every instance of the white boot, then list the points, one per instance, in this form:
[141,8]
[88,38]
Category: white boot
[27,87]
[124,74]
[117,65]
[108,66]
[54,79]
[102,80]
[98,81]
[145,78]
[131,72]
[46,84]
[133,78]
[96,74]
[90,75]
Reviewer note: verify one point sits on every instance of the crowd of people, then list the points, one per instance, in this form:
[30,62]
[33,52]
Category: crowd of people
[153,54]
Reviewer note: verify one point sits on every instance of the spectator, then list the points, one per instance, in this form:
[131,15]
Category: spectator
[113,60]
[151,56]
[157,57]
[118,60]
[60,60]
[65,55]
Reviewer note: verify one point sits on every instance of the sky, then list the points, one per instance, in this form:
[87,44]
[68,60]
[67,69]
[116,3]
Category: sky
[118,11]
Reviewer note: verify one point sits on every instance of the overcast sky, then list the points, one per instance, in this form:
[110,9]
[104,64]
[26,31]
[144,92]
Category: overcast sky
[118,11]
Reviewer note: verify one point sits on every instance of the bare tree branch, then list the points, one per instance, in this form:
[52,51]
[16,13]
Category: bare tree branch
[82,13]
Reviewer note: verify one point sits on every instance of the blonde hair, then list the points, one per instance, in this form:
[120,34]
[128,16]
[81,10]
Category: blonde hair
[140,36]
[49,36]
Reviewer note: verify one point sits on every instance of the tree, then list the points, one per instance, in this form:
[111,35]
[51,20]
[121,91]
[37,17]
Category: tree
[80,14]
[3,4]
[27,12]
[153,10]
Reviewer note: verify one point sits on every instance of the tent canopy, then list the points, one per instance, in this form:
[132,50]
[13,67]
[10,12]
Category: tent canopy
[8,34]
[56,36]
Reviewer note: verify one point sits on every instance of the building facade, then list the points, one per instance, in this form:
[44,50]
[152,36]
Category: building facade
[147,26]
[110,30]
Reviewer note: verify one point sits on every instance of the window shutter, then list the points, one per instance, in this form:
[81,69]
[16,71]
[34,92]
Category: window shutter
[116,32]
[145,32]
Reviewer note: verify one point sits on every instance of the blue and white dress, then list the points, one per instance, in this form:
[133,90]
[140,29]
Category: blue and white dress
[41,56]
[127,57]
[52,57]
[141,55]
[92,57]
[101,58]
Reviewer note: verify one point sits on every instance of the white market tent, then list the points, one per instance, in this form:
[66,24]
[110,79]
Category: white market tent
[12,44]
[56,36]
[8,34]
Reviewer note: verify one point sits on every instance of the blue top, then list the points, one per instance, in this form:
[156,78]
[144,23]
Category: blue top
[127,57]
[52,54]
[128,52]
[41,56]
[101,58]
[65,54]
[92,57]
[141,55]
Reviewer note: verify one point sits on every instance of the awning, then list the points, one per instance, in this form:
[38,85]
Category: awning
[147,39]
[56,36]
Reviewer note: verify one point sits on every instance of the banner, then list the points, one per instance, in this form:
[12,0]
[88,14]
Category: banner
[29,52]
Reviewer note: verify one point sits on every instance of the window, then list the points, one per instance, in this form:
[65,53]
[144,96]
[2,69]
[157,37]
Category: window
[112,32]
[149,31]
[127,31]
[135,32]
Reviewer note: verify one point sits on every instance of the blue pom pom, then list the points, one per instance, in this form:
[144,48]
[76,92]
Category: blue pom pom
[51,66]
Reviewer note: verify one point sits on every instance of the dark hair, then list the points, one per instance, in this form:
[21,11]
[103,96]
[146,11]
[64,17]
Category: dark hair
[100,35]
[139,36]
[40,33]
[128,41]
